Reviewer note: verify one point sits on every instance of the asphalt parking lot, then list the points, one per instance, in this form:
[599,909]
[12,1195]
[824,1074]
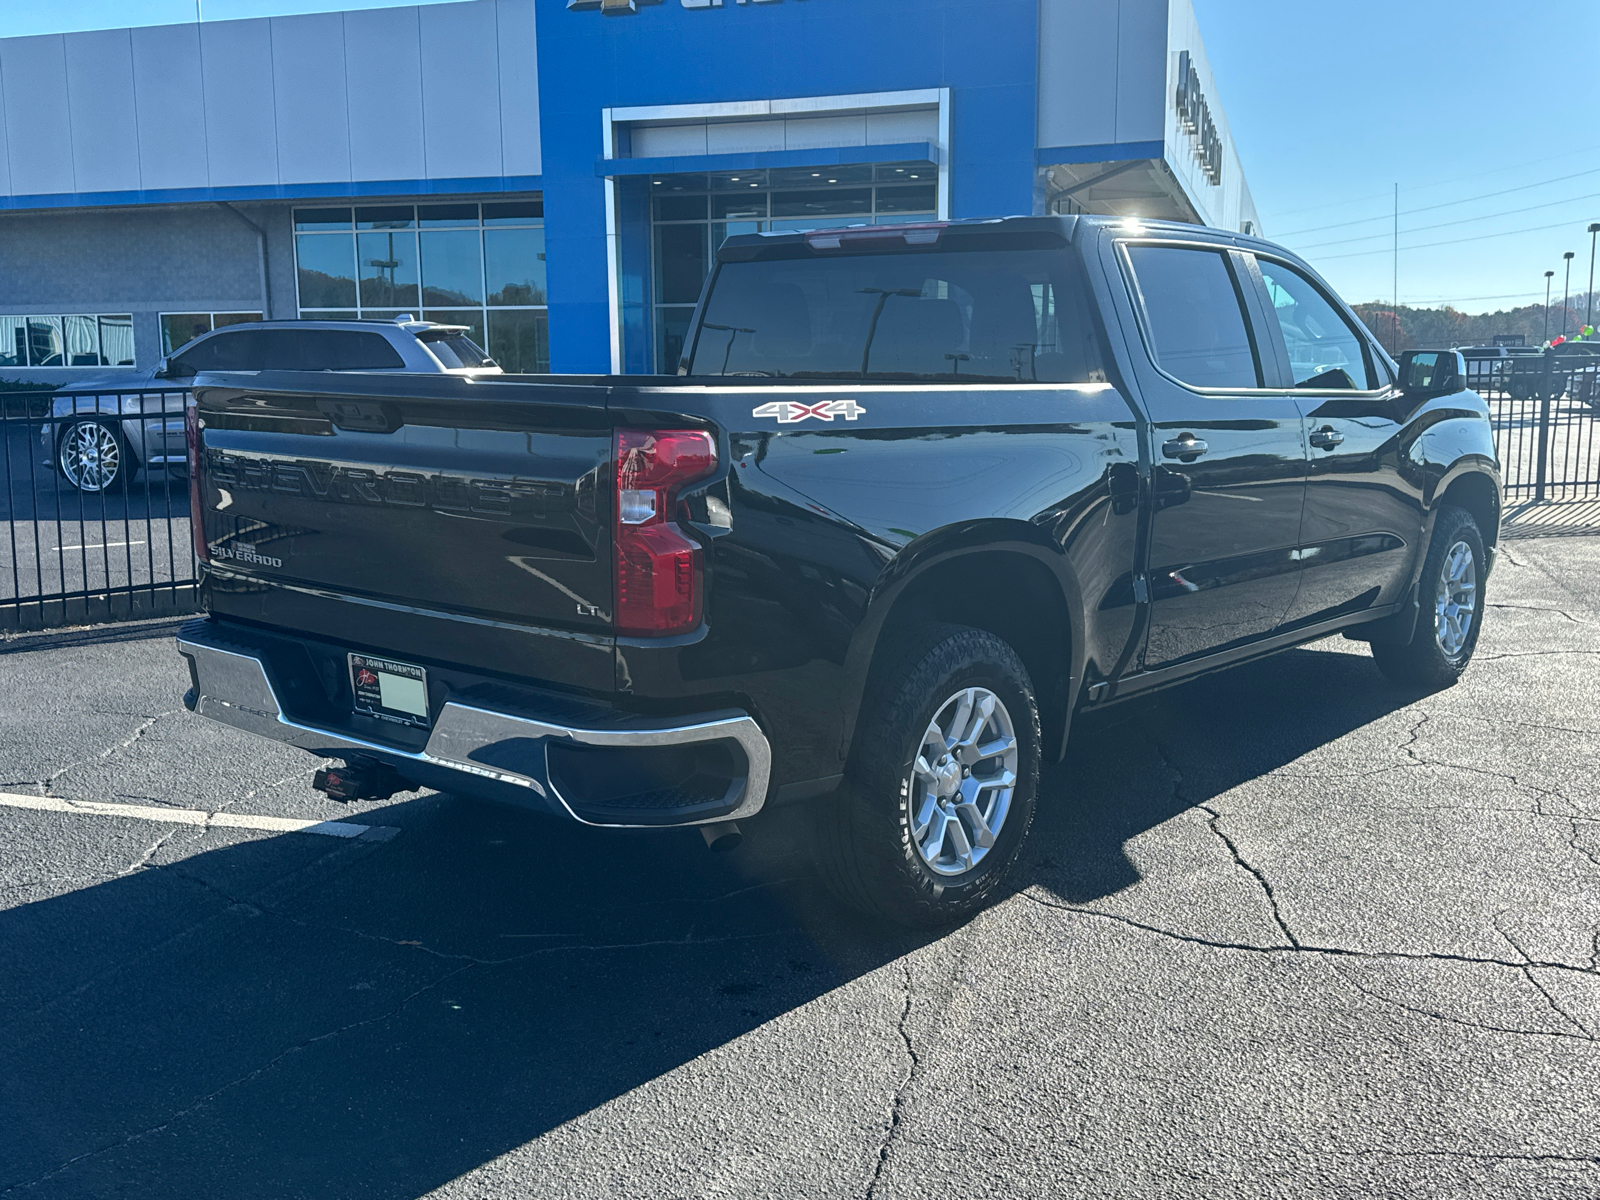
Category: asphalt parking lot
[1286,931]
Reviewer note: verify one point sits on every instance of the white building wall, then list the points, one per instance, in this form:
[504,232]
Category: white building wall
[383,82]
[1077,76]
[1100,71]
[1229,205]
[105,137]
[33,78]
[1108,75]
[441,91]
[237,98]
[169,97]
[1141,36]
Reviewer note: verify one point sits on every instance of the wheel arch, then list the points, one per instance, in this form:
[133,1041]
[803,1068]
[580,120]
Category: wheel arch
[1004,577]
[1475,489]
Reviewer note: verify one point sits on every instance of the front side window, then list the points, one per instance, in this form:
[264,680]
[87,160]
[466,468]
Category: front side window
[1324,351]
[1195,316]
[1008,316]
[225,352]
[179,329]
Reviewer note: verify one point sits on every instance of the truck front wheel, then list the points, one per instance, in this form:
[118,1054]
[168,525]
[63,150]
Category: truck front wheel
[1451,601]
[943,780]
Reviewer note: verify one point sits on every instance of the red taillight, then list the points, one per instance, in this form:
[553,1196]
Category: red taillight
[191,437]
[658,568]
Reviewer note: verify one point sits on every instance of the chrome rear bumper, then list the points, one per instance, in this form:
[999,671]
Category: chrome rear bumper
[234,687]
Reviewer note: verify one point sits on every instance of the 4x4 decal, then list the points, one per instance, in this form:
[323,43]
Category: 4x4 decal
[790,411]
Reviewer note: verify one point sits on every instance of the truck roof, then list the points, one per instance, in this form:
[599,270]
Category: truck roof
[1042,232]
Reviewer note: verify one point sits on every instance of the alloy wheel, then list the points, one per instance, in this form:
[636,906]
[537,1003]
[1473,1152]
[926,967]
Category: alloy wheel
[962,781]
[91,457]
[1455,606]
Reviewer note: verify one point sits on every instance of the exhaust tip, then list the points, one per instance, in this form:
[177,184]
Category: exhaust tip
[722,836]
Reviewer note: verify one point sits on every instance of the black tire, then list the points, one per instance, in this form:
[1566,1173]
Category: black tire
[864,834]
[91,474]
[1428,660]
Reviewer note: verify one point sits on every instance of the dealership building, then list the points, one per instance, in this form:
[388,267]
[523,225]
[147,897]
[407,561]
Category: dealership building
[556,174]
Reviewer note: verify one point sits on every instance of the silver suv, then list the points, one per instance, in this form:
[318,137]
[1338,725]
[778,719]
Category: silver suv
[102,431]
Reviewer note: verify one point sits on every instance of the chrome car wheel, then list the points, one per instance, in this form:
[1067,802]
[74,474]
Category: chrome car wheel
[90,456]
[962,781]
[1456,603]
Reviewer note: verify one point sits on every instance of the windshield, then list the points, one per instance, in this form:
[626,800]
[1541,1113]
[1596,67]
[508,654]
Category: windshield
[456,351]
[990,316]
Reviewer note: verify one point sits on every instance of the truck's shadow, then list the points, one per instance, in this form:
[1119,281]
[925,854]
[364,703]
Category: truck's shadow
[309,1017]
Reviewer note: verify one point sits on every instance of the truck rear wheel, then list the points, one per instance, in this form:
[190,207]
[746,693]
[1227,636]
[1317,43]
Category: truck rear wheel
[1451,599]
[943,781]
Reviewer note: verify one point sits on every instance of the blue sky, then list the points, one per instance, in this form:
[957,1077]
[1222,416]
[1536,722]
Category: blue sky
[1333,104]
[1477,109]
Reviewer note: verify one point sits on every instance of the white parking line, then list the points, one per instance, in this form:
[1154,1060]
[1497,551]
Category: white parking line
[198,816]
[100,546]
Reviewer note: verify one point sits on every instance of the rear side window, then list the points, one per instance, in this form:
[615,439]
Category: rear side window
[331,350]
[290,350]
[1324,350]
[456,352]
[1195,315]
[1006,316]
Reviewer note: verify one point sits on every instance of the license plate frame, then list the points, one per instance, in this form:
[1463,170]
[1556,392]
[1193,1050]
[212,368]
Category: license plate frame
[396,691]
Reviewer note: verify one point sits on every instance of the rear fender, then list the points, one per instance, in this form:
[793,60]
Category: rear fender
[953,554]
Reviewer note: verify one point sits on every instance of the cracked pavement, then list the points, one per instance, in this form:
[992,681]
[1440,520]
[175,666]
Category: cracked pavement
[1285,931]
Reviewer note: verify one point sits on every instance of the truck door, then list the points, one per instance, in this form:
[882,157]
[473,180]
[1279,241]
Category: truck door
[1229,455]
[1363,522]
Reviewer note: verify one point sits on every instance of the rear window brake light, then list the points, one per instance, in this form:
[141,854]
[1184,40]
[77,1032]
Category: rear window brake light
[877,235]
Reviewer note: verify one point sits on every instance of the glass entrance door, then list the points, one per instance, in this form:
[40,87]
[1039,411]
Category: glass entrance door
[690,215]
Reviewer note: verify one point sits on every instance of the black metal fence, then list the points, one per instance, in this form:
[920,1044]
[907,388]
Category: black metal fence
[1546,412]
[96,508]
[94,490]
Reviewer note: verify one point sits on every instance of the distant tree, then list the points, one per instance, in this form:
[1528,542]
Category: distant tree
[1409,328]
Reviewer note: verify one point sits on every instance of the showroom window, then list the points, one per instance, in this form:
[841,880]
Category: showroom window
[690,215]
[478,265]
[179,329]
[76,340]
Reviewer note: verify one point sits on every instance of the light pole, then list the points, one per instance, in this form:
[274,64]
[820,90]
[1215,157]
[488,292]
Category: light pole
[1588,309]
[1566,296]
[1545,337]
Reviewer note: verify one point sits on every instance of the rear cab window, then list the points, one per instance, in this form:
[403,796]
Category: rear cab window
[981,315]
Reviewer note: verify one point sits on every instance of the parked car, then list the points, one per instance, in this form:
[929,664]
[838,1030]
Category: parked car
[1487,366]
[1523,376]
[103,431]
[919,495]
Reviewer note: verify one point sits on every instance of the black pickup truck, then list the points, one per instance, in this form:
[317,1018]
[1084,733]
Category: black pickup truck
[917,496]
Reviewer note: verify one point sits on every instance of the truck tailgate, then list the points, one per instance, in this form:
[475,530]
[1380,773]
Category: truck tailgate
[416,524]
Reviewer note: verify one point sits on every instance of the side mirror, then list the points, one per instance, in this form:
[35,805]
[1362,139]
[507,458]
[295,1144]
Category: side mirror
[161,369]
[1432,372]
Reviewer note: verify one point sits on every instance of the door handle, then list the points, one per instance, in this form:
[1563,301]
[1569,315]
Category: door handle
[1325,438]
[1185,447]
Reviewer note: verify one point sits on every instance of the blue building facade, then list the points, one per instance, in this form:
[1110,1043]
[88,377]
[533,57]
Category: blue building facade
[557,173]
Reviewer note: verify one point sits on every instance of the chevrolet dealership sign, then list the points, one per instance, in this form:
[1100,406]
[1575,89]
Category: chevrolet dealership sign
[1194,116]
